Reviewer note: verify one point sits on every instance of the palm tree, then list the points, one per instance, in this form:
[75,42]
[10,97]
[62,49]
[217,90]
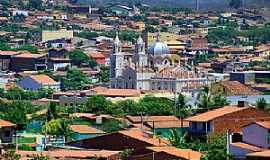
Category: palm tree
[261,103]
[205,99]
[175,138]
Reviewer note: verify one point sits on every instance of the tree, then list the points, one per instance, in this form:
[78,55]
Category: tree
[156,106]
[51,113]
[129,107]
[39,157]
[78,57]
[105,74]
[236,4]
[75,79]
[58,127]
[97,104]
[126,153]
[11,155]
[261,103]
[175,138]
[35,4]
[205,100]
[220,100]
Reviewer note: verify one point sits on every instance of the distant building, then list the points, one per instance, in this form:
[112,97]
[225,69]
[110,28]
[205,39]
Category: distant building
[36,82]
[28,62]
[5,58]
[54,35]
[98,57]
[233,88]
[153,70]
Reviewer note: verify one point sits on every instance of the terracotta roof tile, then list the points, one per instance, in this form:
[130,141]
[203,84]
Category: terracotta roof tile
[28,55]
[169,124]
[61,153]
[180,153]
[43,79]
[85,129]
[145,137]
[260,154]
[238,88]
[137,119]
[8,53]
[4,123]
[265,124]
[210,115]
[247,146]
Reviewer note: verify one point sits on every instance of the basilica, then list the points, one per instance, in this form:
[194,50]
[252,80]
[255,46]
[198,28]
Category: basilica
[154,69]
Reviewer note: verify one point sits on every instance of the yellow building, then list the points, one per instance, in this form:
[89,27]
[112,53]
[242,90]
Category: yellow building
[53,35]
[150,38]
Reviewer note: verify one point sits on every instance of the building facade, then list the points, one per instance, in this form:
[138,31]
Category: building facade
[153,70]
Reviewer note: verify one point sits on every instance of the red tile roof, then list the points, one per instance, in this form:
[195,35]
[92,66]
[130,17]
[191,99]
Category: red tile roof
[117,92]
[85,129]
[238,88]
[61,153]
[263,154]
[29,55]
[247,146]
[265,124]
[180,153]
[210,115]
[4,123]
[137,119]
[43,79]
[145,137]
[96,55]
[8,53]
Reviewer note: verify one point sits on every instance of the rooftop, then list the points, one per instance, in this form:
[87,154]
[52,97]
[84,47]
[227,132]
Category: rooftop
[210,115]
[4,123]
[247,146]
[85,129]
[43,79]
[61,153]
[238,88]
[8,53]
[181,153]
[29,55]
[260,154]
[137,119]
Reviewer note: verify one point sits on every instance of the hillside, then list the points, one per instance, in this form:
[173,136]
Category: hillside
[204,4]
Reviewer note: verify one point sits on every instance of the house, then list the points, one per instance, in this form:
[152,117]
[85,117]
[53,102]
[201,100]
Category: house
[36,82]
[84,131]
[233,88]
[255,138]
[98,57]
[160,125]
[56,64]
[57,53]
[7,130]
[220,120]
[198,46]
[5,58]
[28,62]
[121,140]
[73,154]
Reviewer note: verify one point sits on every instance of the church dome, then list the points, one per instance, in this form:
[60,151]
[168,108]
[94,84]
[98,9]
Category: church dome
[159,48]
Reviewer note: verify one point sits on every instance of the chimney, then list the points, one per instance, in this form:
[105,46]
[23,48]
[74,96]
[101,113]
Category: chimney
[242,104]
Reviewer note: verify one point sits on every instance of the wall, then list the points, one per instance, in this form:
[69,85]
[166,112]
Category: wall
[256,135]
[236,120]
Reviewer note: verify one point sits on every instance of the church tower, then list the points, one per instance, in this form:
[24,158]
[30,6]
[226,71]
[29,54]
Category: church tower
[116,59]
[140,57]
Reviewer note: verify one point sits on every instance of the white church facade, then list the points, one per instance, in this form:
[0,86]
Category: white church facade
[152,70]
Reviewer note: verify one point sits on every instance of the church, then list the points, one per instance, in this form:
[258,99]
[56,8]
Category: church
[154,69]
